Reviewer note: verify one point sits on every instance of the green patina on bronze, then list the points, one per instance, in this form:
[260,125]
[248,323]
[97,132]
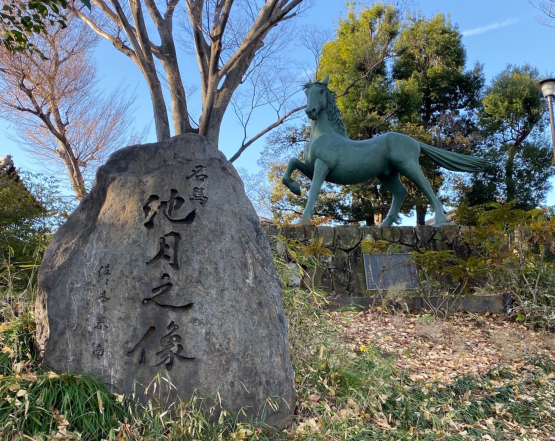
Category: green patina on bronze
[331,156]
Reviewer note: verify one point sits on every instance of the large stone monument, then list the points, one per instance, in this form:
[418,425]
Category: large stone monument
[164,267]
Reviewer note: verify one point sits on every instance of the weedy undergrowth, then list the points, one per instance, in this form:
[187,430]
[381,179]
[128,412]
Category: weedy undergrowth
[50,404]
[345,391]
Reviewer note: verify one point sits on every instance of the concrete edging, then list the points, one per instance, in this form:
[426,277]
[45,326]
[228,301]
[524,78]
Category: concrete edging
[496,304]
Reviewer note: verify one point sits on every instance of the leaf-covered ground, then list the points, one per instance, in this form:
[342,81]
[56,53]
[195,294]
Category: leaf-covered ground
[446,349]
[359,376]
[463,377]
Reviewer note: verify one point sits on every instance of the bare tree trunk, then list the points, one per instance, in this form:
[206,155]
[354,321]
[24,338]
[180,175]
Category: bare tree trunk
[211,128]
[221,71]
[145,58]
[509,172]
[160,111]
[180,113]
[219,83]
[56,128]
[167,54]
[74,172]
[140,52]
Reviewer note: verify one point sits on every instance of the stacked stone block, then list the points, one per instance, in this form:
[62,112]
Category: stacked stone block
[343,274]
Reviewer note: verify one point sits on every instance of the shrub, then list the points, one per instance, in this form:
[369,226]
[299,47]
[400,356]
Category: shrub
[512,253]
[30,210]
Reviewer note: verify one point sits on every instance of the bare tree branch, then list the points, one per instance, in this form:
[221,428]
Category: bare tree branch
[259,135]
[548,9]
[226,50]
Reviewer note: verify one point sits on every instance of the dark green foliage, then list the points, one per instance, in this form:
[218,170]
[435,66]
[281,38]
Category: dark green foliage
[512,121]
[546,364]
[19,20]
[430,66]
[16,202]
[20,236]
[528,183]
[30,210]
[511,253]
[357,60]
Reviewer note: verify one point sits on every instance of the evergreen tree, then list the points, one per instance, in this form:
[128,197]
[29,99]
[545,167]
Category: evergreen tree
[407,77]
[512,121]
[29,211]
[438,98]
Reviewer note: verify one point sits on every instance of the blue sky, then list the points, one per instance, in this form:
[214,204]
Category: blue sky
[496,33]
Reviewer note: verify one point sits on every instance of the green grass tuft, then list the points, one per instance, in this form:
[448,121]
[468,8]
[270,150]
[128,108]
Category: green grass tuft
[48,403]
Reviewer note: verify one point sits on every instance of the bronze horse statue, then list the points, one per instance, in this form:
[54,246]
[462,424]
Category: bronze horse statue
[331,156]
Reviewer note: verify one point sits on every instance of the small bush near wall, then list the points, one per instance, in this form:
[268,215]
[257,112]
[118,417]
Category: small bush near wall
[513,252]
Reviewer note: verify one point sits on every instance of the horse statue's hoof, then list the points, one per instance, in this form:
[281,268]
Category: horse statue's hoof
[387,222]
[295,188]
[292,185]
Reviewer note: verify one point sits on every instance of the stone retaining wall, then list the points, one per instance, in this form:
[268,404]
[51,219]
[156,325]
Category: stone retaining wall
[343,274]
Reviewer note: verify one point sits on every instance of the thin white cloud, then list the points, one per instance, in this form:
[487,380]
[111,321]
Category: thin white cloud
[488,28]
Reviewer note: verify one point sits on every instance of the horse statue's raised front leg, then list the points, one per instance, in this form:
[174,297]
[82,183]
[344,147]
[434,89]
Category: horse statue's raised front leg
[295,164]
[321,170]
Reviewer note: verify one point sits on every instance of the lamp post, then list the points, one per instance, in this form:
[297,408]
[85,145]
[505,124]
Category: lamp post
[547,87]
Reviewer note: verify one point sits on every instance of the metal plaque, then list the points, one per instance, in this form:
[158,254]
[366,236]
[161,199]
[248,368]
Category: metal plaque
[386,270]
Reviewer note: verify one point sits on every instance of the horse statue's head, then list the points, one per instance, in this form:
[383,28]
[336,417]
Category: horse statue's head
[319,98]
[316,97]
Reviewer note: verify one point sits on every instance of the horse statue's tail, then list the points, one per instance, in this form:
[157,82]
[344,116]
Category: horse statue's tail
[454,161]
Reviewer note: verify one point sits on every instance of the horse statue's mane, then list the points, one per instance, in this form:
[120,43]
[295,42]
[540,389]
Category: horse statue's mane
[334,114]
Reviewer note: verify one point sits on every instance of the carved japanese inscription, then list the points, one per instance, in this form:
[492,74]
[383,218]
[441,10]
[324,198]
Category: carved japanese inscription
[199,174]
[168,208]
[168,250]
[174,213]
[169,348]
[98,351]
[99,319]
[163,296]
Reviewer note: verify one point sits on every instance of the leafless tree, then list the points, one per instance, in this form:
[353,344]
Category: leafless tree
[274,86]
[227,35]
[55,107]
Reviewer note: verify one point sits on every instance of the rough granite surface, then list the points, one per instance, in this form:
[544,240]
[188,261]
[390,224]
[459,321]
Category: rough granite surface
[164,267]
